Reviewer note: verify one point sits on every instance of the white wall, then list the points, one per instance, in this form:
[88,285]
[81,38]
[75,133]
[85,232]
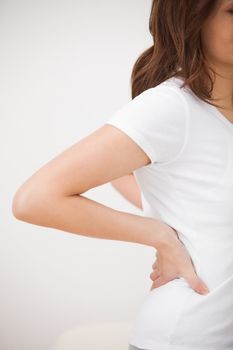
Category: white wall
[64,69]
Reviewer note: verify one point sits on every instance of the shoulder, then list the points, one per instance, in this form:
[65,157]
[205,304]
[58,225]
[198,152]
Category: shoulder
[166,100]
[169,89]
[157,119]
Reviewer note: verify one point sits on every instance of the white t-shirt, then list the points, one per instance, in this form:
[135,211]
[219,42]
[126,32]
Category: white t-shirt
[189,186]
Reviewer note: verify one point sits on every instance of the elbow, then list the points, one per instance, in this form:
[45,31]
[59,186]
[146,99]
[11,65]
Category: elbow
[18,204]
[22,204]
[28,205]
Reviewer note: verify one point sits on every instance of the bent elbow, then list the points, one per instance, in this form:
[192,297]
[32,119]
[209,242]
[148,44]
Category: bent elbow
[27,205]
[21,204]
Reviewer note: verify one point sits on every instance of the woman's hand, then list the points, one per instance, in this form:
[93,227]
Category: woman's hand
[173,261]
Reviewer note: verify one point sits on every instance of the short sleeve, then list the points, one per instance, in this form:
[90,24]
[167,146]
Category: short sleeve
[156,120]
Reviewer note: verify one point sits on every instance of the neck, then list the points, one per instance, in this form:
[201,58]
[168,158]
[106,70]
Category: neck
[223,89]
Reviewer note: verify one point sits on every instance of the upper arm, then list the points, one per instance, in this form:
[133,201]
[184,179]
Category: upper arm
[150,128]
[102,156]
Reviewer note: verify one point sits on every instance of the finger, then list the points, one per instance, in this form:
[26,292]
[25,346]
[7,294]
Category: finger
[155,274]
[197,284]
[155,265]
[153,286]
[158,282]
[161,281]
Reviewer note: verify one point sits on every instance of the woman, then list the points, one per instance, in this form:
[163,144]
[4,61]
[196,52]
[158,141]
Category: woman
[179,146]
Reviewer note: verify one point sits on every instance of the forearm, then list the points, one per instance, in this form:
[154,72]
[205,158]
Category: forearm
[80,215]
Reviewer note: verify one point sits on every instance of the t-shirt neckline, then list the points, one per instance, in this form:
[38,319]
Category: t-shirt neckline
[220,115]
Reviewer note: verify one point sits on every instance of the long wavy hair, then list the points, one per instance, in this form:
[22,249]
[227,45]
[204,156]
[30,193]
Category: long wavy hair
[175,26]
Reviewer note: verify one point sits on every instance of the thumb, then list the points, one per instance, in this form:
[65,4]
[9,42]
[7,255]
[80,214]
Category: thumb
[197,284]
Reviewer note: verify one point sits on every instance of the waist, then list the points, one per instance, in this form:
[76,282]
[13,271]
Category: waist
[211,255]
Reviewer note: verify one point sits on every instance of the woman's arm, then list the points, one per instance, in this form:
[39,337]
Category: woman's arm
[128,188]
[52,196]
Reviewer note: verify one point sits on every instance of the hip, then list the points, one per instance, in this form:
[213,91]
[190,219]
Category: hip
[174,314]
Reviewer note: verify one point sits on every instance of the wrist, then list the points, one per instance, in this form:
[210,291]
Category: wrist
[163,235]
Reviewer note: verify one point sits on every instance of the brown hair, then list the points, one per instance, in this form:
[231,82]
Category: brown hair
[175,26]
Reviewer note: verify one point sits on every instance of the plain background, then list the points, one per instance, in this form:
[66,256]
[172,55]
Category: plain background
[65,68]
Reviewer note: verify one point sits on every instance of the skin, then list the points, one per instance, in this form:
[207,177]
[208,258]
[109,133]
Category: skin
[217,41]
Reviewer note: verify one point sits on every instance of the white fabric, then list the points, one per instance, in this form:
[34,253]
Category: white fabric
[189,186]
